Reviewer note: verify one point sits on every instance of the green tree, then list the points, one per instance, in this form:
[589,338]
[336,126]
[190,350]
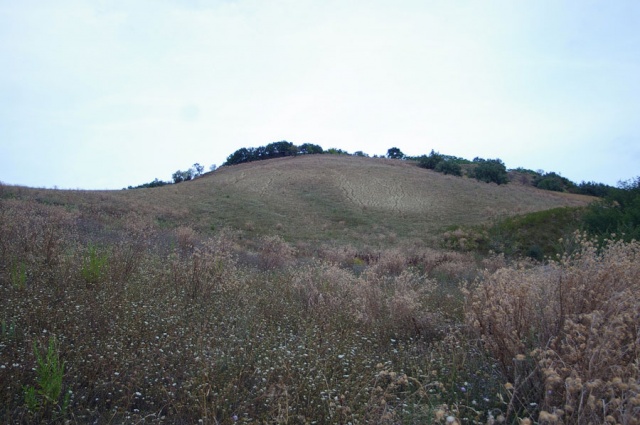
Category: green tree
[430,162]
[600,190]
[181,176]
[336,151]
[449,167]
[240,156]
[154,183]
[309,149]
[395,153]
[552,181]
[280,149]
[197,169]
[490,170]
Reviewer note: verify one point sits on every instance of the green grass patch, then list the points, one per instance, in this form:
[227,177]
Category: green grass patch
[18,274]
[94,266]
[535,235]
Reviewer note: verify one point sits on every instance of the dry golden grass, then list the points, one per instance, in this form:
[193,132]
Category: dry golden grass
[305,290]
[567,334]
[158,326]
[367,201]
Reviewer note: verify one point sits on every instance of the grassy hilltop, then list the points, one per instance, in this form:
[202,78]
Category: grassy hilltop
[313,290]
[348,199]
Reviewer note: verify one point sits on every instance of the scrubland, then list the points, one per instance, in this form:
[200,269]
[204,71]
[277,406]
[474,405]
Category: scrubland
[112,315]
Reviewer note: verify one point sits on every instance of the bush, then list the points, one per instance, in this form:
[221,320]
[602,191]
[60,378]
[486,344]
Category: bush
[565,334]
[154,183]
[533,235]
[336,151]
[552,181]
[600,190]
[490,170]
[430,162]
[448,167]
[618,213]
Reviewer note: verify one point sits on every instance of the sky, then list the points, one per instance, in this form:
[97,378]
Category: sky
[104,94]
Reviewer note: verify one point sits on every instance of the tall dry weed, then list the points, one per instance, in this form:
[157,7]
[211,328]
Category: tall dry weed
[566,334]
[209,270]
[128,253]
[187,239]
[394,305]
[275,252]
[341,255]
[391,262]
[36,235]
[323,288]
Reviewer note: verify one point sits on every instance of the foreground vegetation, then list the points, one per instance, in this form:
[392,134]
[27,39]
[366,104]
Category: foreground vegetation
[111,316]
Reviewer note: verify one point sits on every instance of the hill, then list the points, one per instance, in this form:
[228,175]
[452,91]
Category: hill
[140,306]
[315,197]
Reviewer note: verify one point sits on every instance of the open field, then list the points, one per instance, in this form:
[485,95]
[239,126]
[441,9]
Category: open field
[307,291]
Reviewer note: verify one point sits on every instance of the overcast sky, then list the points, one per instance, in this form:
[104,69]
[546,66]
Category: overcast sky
[105,94]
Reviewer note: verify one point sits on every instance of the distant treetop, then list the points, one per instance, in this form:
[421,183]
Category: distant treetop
[487,170]
[272,150]
[395,153]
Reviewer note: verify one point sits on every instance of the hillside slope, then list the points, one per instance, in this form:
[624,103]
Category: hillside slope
[318,197]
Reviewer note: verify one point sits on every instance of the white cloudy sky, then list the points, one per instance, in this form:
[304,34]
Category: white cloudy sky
[111,93]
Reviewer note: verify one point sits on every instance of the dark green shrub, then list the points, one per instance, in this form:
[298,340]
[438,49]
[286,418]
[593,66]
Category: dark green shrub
[395,153]
[448,167]
[533,235]
[618,213]
[490,170]
[592,189]
[154,183]
[430,162]
[309,149]
[336,151]
[552,181]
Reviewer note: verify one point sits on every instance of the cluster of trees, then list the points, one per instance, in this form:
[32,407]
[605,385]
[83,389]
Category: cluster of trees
[494,170]
[196,170]
[486,170]
[490,170]
[552,181]
[445,164]
[555,182]
[189,174]
[272,150]
[617,213]
[284,148]
[600,190]
[154,183]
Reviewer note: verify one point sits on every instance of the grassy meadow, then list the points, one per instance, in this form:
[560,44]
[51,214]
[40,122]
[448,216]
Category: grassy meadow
[311,290]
